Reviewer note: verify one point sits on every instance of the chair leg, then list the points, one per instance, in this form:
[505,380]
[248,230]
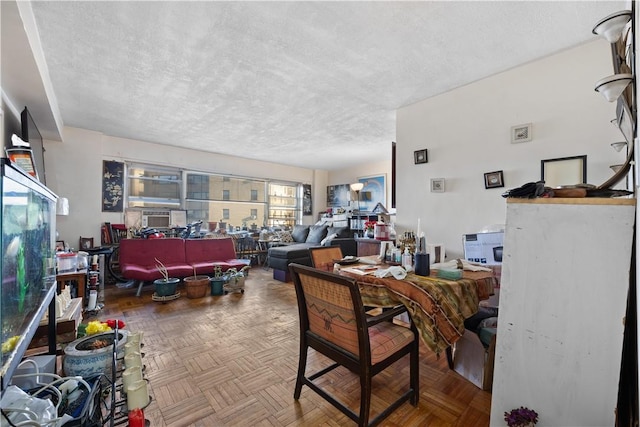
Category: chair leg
[140,285]
[302,366]
[365,400]
[414,372]
[449,353]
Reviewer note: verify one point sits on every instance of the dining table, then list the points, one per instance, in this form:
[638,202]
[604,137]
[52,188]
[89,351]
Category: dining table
[437,306]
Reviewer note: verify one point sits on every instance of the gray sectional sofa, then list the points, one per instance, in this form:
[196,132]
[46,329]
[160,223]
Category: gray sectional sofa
[283,253]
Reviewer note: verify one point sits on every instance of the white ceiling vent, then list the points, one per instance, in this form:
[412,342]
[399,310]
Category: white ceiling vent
[521,133]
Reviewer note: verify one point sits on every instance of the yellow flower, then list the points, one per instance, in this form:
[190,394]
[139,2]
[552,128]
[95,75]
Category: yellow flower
[10,344]
[97,327]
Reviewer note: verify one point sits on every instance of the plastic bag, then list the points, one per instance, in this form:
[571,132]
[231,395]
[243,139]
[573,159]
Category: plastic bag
[14,398]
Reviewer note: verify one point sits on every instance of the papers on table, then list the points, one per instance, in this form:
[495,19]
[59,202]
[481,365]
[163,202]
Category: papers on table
[371,260]
[361,270]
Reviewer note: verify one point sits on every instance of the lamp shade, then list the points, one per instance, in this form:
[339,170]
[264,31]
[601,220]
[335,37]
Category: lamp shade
[62,206]
[357,186]
[611,27]
[612,87]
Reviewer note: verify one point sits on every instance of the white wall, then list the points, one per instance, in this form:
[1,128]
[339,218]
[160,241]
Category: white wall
[467,133]
[74,170]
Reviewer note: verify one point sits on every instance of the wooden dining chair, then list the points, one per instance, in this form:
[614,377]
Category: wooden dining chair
[333,323]
[323,257]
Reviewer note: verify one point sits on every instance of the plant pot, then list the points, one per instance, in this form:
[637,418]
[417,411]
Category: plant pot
[81,360]
[196,286]
[166,287]
[217,284]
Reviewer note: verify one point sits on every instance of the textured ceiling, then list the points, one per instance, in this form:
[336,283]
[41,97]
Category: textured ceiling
[310,84]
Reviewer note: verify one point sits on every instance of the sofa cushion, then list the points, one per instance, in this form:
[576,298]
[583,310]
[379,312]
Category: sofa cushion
[341,232]
[316,233]
[284,237]
[300,233]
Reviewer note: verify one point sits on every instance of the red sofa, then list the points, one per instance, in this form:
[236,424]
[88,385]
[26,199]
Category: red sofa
[137,257]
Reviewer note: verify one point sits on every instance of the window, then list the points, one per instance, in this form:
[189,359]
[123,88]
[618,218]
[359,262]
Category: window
[241,202]
[284,204]
[153,186]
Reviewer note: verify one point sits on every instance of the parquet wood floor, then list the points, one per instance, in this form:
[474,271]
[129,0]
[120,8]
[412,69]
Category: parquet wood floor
[231,361]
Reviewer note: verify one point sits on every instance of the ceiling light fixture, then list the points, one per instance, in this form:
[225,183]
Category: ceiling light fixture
[612,87]
[610,28]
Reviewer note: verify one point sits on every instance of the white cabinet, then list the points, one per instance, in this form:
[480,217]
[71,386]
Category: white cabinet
[563,296]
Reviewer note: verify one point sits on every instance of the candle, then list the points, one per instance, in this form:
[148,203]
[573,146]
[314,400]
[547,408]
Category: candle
[135,336]
[133,359]
[94,260]
[136,418]
[137,395]
[130,376]
[131,347]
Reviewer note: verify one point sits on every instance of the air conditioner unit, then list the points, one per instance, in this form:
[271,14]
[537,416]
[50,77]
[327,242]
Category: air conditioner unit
[156,219]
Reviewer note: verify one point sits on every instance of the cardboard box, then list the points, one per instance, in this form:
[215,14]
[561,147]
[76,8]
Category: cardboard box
[473,361]
[484,248]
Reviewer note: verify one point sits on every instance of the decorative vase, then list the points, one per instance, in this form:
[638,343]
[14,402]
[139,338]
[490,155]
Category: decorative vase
[369,233]
[166,287]
[82,359]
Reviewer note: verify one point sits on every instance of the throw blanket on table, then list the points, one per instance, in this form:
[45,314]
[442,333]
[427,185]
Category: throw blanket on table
[437,306]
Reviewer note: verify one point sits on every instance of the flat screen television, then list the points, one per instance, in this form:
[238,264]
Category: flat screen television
[27,268]
[31,134]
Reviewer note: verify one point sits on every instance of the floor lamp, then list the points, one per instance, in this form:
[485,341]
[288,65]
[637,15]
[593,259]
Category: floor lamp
[357,187]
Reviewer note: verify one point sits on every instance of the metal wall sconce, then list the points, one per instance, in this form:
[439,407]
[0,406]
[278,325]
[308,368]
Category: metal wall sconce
[612,87]
[611,27]
[618,146]
[62,206]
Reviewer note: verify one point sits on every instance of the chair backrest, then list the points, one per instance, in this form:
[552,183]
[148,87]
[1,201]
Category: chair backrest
[323,257]
[330,307]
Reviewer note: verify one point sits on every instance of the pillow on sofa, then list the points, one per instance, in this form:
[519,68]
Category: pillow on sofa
[342,232]
[316,233]
[300,233]
[285,236]
[327,240]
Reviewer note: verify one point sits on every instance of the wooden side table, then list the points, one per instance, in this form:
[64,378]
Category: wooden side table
[80,277]
[368,246]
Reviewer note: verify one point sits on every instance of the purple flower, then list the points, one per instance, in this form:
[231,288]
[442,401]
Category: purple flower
[521,417]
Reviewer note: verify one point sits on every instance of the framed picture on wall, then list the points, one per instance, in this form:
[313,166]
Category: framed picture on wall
[493,179]
[306,199]
[373,192]
[564,171]
[437,185]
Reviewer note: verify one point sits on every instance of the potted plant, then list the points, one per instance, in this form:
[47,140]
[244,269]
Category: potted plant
[234,281]
[196,285]
[368,228]
[167,285]
[521,417]
[217,281]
